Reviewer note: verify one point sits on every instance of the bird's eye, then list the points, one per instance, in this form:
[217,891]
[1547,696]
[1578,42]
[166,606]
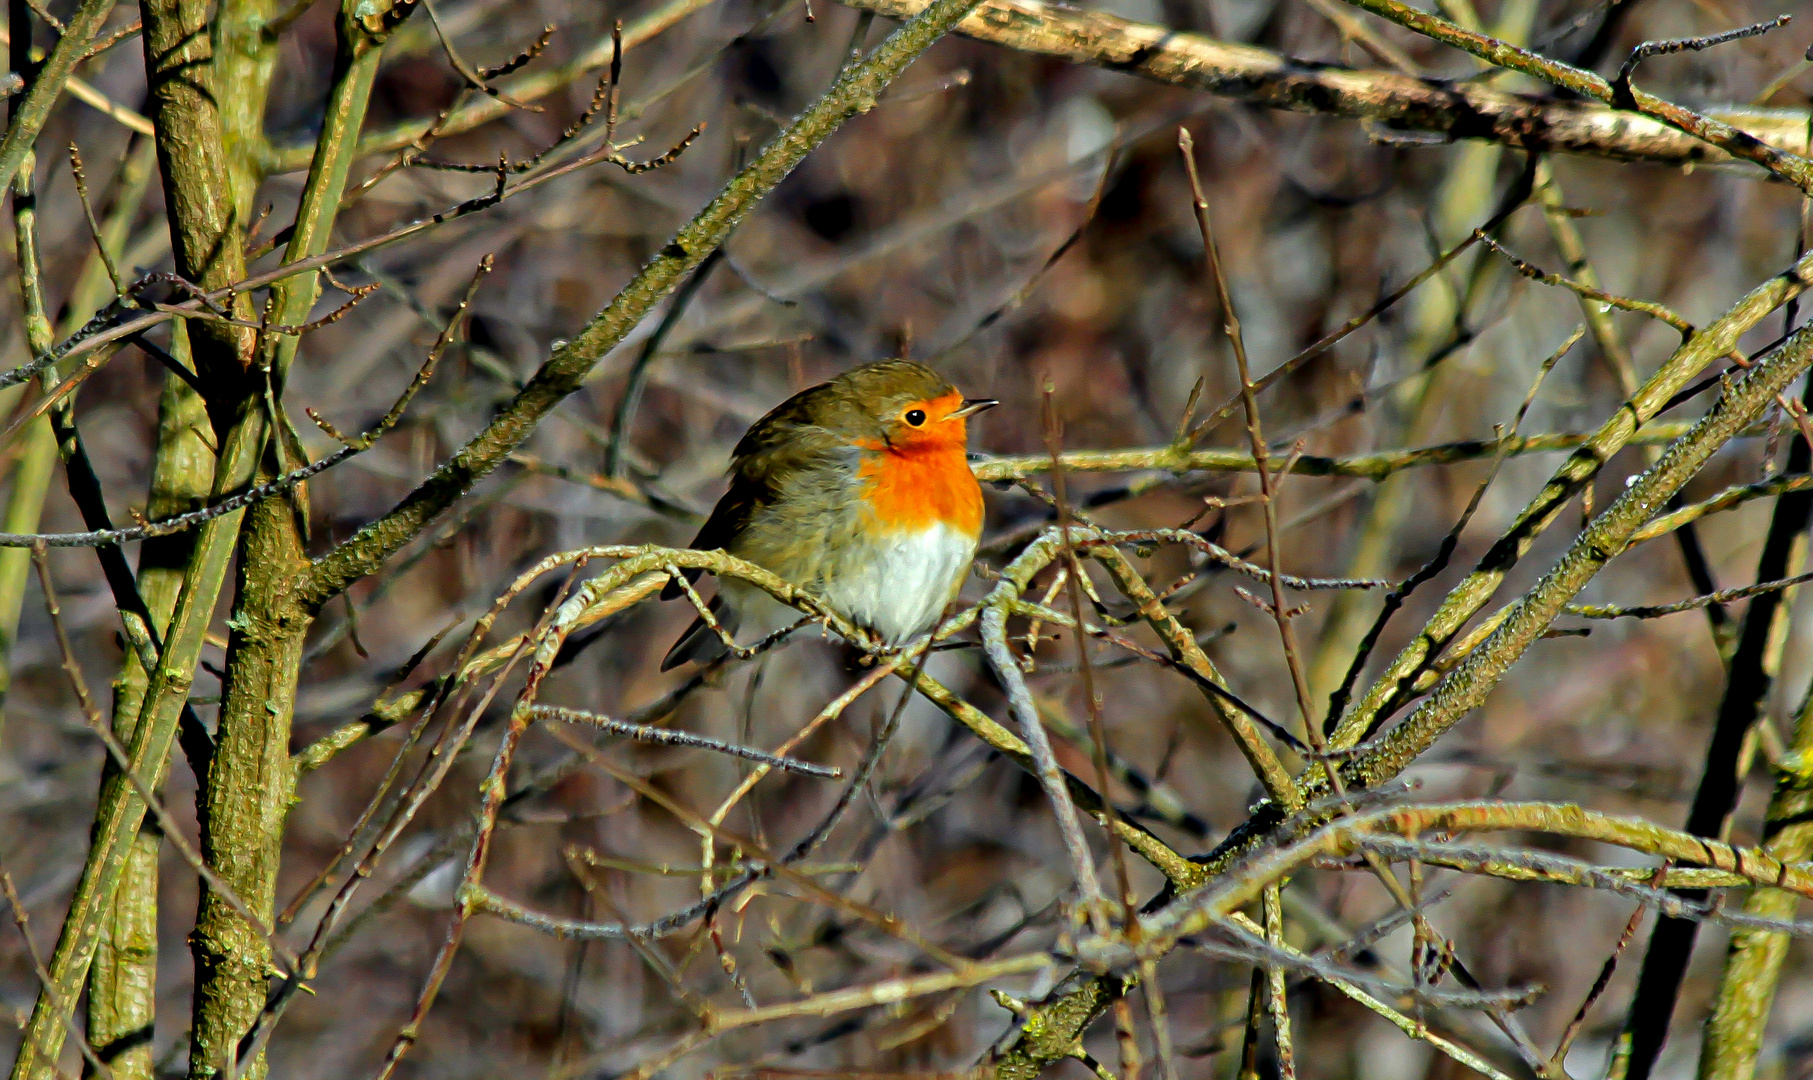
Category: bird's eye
[915,417]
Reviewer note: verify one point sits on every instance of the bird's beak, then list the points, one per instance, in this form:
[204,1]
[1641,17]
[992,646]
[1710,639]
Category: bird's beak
[972,406]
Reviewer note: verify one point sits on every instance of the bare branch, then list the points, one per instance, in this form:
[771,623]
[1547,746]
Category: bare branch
[1452,110]
[670,737]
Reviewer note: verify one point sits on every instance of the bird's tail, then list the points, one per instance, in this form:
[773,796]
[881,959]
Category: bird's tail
[701,642]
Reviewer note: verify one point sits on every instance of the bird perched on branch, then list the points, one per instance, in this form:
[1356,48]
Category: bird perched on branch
[857,490]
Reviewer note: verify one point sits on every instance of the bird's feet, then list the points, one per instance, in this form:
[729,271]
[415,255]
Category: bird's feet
[866,650]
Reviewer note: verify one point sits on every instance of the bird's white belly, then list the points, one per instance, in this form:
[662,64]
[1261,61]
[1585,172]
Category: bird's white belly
[899,586]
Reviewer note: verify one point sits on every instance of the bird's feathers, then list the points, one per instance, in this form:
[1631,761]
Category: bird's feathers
[905,583]
[835,492]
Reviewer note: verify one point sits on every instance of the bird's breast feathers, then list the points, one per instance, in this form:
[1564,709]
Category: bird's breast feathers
[900,585]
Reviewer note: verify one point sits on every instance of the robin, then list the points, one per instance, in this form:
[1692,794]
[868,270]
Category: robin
[857,490]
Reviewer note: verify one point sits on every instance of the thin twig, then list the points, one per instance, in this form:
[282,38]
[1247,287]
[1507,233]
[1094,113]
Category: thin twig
[1659,312]
[639,370]
[1621,84]
[1054,439]
[528,53]
[181,522]
[474,78]
[1725,596]
[94,226]
[1049,774]
[670,737]
[1268,490]
[1604,980]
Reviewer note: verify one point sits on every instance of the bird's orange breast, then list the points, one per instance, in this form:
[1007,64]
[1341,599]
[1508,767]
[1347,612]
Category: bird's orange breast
[917,486]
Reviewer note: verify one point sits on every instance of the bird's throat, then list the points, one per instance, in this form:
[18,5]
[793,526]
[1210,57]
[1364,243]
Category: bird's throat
[913,487]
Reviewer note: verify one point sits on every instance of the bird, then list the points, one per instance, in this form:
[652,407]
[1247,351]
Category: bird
[858,491]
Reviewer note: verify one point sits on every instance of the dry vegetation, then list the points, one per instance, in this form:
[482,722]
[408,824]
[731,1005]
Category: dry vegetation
[424,807]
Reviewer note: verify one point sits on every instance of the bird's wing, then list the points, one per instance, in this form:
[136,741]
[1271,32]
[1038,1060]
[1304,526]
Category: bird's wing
[747,493]
[780,443]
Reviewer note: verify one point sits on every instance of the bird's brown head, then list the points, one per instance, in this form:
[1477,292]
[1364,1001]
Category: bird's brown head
[896,405]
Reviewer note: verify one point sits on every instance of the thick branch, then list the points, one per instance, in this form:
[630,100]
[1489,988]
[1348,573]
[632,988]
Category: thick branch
[1453,110]
[1789,166]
